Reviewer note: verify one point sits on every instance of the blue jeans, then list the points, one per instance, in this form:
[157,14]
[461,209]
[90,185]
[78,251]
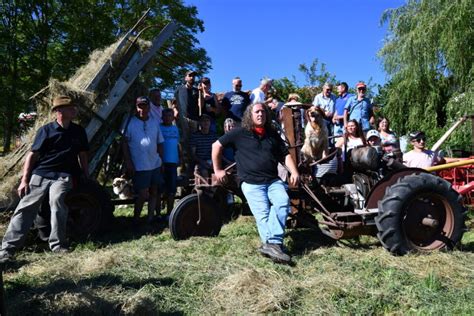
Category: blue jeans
[270,205]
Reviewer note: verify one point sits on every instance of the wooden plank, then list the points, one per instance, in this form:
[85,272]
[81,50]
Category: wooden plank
[288,125]
[92,85]
[101,152]
[126,80]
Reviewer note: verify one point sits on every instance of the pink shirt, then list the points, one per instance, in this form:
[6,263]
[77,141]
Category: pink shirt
[423,159]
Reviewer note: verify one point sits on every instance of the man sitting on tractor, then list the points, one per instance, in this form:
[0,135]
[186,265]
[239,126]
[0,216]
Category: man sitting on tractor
[258,150]
[420,157]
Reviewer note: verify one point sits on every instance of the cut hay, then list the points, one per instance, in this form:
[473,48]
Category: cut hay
[103,68]
[97,59]
[252,290]
[142,303]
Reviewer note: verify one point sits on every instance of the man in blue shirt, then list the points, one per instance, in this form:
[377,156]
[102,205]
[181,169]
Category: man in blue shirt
[338,118]
[236,101]
[359,108]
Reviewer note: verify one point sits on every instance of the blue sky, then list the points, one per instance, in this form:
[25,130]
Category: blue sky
[271,38]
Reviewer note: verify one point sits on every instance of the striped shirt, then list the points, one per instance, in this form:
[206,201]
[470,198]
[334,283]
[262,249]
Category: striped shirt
[203,144]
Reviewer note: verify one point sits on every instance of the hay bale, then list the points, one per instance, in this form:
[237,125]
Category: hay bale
[88,103]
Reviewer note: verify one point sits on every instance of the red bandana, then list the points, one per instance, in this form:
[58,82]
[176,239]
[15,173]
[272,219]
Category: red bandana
[260,131]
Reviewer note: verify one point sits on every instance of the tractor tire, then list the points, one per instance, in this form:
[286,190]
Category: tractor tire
[90,210]
[421,212]
[184,220]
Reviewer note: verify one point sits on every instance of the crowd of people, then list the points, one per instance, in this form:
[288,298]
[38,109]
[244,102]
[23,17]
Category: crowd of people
[214,133]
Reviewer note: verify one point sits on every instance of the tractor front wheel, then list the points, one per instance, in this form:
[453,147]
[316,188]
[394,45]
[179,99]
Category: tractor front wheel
[421,212]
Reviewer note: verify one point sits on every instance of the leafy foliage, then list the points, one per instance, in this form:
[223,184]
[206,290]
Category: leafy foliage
[43,39]
[428,55]
[316,76]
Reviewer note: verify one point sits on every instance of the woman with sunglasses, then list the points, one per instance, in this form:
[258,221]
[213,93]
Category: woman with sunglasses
[420,157]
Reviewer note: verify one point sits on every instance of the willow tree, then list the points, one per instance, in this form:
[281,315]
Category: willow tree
[428,54]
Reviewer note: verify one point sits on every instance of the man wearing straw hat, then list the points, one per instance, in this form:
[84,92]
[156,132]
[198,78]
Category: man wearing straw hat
[58,153]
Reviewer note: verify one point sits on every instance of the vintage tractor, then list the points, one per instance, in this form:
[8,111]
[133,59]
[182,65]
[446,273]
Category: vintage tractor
[407,209]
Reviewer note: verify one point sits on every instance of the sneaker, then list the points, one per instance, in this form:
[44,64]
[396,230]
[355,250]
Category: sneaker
[61,250]
[274,252]
[5,256]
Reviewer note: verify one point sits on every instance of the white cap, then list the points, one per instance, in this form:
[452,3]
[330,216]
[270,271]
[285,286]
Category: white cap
[373,132]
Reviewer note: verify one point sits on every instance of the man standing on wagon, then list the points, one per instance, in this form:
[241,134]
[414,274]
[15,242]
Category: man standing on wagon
[258,150]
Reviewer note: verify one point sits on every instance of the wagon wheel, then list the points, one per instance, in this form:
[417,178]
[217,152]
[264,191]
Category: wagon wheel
[90,209]
[421,212]
[184,220]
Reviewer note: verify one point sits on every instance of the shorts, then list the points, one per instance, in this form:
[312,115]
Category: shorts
[146,179]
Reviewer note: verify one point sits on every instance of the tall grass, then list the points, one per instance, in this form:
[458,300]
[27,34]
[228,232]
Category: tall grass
[132,271]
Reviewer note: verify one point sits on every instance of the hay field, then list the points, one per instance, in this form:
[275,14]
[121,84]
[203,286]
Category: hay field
[133,271]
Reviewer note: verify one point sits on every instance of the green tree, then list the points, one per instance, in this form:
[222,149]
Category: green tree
[428,54]
[315,76]
[40,39]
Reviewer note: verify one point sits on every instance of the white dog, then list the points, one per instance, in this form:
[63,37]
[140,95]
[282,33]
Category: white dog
[316,140]
[123,188]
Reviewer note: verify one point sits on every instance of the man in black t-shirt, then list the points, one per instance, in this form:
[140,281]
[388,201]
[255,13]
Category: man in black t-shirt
[58,153]
[236,101]
[258,150]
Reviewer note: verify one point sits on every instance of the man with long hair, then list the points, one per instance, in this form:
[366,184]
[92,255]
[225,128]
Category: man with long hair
[258,150]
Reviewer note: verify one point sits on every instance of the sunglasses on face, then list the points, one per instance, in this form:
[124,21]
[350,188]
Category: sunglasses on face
[419,140]
[238,85]
[361,89]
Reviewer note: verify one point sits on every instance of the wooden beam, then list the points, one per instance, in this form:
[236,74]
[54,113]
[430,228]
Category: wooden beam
[126,80]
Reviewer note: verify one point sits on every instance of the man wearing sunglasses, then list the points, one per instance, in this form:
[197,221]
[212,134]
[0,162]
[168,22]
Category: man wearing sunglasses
[359,108]
[420,157]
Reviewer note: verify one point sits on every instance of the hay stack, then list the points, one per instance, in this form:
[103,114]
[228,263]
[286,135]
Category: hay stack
[89,98]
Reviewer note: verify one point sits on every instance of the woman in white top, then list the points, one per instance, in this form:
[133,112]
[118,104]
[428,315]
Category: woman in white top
[353,137]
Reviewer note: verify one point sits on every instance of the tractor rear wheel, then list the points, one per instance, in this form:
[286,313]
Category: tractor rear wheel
[186,220]
[421,212]
[90,210]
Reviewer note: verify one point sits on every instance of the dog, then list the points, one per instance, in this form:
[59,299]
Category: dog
[316,141]
[123,188]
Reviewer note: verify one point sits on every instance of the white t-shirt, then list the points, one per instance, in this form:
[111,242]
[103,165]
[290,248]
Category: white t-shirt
[143,138]
[423,159]
[257,96]
[351,143]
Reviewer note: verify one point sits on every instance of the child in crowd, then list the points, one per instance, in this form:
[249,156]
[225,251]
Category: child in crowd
[373,138]
[228,156]
[201,146]
[171,156]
